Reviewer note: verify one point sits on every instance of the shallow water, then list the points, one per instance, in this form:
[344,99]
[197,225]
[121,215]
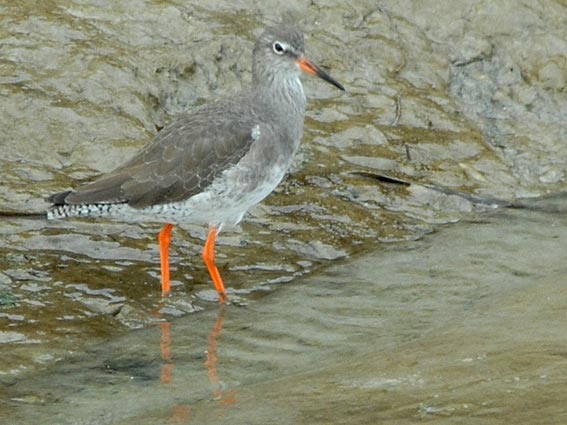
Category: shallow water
[465,325]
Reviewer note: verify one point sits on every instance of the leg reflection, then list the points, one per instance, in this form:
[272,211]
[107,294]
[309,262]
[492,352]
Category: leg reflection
[225,398]
[180,412]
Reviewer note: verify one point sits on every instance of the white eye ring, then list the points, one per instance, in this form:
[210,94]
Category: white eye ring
[278,48]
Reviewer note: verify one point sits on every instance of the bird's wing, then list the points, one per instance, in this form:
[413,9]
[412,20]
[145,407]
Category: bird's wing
[183,159]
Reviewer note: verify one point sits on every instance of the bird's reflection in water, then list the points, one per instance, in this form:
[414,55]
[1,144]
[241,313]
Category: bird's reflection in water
[165,350]
[225,398]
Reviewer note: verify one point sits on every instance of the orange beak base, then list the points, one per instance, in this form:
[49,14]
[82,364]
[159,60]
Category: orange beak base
[307,66]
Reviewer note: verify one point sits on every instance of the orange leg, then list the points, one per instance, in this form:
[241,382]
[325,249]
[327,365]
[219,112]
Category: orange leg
[164,239]
[209,257]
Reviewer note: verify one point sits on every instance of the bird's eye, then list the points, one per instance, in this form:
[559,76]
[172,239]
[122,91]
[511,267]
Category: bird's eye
[278,48]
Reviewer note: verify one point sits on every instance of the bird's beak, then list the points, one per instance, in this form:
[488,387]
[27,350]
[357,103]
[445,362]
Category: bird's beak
[307,66]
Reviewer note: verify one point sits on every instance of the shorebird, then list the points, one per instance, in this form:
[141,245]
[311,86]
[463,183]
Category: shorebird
[211,165]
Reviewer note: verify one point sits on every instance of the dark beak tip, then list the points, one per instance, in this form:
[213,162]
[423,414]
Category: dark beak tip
[336,84]
[327,77]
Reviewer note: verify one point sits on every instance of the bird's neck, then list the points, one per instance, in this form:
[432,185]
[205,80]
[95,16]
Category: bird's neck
[284,94]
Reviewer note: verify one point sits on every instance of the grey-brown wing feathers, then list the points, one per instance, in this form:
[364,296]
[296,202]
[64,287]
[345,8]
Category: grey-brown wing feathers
[184,158]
